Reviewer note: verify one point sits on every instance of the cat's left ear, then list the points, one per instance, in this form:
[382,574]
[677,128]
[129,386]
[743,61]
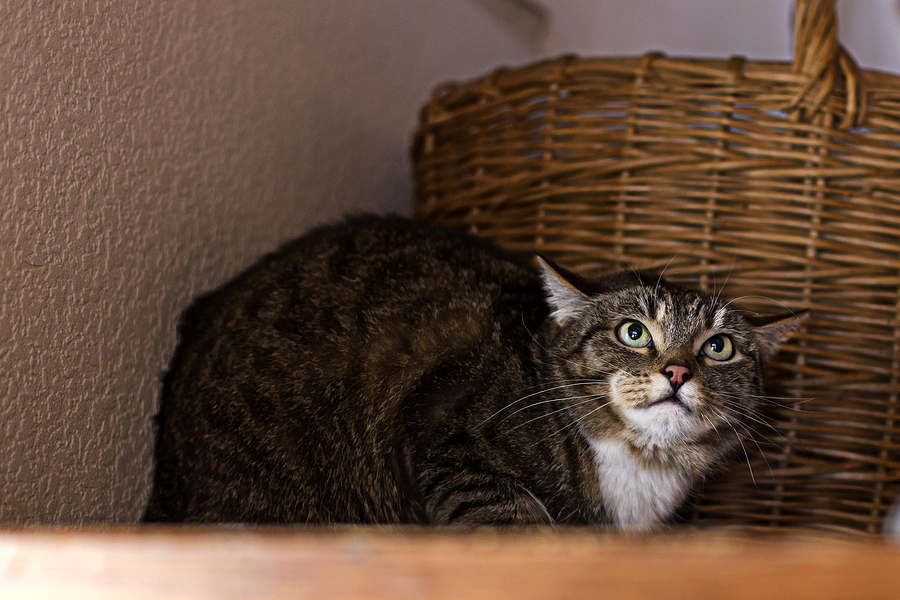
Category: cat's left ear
[772,331]
[561,287]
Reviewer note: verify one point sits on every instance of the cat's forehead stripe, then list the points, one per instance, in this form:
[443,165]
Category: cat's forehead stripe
[646,301]
[660,310]
[719,319]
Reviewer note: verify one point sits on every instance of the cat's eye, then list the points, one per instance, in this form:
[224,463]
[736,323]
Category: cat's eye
[634,335]
[718,347]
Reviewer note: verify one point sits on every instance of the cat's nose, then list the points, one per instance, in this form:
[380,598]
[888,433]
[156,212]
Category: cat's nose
[677,374]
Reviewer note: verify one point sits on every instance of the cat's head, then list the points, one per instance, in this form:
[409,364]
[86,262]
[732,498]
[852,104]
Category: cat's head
[672,367]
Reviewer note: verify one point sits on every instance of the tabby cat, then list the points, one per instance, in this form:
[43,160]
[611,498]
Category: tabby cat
[385,370]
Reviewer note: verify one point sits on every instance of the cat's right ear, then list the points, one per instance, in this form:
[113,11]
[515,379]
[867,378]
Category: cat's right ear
[563,295]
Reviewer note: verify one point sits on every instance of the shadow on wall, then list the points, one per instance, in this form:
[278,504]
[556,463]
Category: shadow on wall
[526,19]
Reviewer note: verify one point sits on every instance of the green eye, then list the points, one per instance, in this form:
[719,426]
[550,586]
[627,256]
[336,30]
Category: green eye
[634,335]
[718,347]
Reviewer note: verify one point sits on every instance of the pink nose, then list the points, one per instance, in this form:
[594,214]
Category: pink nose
[677,374]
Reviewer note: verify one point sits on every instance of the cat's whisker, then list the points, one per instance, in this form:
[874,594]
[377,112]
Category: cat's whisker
[563,383]
[718,294]
[769,298]
[663,272]
[562,399]
[575,422]
[711,424]
[742,409]
[741,442]
[750,436]
[585,416]
[559,410]
[577,364]
[762,455]
[538,393]
[754,416]
[637,274]
[758,418]
[736,403]
[750,395]
[750,432]
[772,400]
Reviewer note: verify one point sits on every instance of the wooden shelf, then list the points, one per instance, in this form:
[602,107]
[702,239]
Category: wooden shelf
[222,563]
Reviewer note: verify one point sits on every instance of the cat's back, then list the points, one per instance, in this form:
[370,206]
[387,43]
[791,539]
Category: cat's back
[405,284]
[292,376]
[360,259]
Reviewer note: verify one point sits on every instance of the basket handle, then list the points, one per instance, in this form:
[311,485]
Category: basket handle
[820,59]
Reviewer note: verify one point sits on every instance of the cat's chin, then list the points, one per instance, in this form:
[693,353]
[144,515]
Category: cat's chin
[663,420]
[665,423]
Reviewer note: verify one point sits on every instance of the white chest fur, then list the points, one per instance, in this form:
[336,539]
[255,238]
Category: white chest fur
[637,497]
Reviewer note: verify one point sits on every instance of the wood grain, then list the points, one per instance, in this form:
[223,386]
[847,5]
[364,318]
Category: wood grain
[223,563]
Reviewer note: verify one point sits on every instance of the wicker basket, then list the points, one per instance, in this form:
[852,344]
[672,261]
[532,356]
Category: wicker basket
[783,179]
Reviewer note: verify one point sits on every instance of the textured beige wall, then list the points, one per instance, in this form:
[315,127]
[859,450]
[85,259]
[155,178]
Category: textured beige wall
[148,151]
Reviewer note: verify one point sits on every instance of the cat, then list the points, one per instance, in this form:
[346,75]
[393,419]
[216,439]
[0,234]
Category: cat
[386,370]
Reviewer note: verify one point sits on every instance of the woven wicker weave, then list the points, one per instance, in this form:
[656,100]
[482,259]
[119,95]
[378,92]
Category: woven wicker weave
[783,179]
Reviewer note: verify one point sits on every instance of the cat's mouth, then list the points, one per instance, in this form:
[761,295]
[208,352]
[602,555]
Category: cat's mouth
[671,399]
